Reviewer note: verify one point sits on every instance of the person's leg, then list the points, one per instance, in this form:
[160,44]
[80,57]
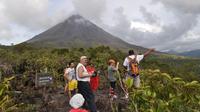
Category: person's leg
[70,88]
[137,81]
[66,88]
[76,86]
[113,85]
[91,99]
[85,90]
[69,94]
[73,87]
[81,90]
[73,92]
[111,91]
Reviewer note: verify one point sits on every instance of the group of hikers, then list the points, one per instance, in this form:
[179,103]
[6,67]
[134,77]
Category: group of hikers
[83,80]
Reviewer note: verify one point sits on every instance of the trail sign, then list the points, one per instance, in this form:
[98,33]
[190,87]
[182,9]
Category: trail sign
[43,79]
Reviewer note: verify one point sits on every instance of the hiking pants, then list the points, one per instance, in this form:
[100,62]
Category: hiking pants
[112,84]
[86,91]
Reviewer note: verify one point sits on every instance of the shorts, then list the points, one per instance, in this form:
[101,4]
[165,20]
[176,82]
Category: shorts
[72,85]
[136,80]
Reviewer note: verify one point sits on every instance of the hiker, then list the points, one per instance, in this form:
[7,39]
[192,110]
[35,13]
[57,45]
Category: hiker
[112,69]
[94,80]
[84,88]
[131,63]
[71,85]
[76,102]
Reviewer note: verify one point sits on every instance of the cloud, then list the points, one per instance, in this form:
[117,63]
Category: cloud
[91,9]
[184,6]
[171,36]
[29,13]
[176,35]
[149,17]
[31,16]
[4,29]
[145,27]
[134,21]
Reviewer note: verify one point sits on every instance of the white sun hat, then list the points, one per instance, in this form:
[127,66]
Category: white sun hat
[77,101]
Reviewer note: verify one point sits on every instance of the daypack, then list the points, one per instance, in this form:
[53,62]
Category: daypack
[134,66]
[94,80]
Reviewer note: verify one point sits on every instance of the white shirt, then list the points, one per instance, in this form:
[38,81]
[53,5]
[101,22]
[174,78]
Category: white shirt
[126,61]
[71,73]
[85,79]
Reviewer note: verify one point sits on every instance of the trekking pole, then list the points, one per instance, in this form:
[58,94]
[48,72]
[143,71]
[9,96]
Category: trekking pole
[121,83]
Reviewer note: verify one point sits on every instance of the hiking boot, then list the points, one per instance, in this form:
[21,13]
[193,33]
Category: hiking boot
[110,95]
[126,96]
[111,98]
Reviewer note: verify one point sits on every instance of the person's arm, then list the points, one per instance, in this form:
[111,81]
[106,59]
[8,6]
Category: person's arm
[81,73]
[148,52]
[125,64]
[117,66]
[66,74]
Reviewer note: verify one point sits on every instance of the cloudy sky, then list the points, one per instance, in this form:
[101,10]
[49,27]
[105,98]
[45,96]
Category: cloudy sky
[161,24]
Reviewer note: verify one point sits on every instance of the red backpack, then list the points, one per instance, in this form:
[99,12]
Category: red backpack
[94,81]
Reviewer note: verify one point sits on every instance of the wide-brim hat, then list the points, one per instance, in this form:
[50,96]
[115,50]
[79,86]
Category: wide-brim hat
[77,101]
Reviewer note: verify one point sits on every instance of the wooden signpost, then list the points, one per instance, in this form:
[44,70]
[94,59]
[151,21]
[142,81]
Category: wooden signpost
[43,80]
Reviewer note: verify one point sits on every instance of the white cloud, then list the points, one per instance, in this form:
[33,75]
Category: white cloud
[166,24]
[145,27]
[91,9]
[30,13]
[30,17]
[185,6]
[190,37]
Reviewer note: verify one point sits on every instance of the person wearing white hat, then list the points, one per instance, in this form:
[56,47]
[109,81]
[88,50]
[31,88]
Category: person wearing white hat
[76,102]
[84,88]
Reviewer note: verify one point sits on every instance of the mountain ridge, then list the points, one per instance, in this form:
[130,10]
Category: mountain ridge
[192,53]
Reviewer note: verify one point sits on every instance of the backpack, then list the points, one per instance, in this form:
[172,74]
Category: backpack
[134,66]
[94,80]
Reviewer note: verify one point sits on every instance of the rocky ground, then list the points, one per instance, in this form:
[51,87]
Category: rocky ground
[53,99]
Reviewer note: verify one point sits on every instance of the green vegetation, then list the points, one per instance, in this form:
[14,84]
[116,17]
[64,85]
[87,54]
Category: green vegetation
[6,101]
[162,89]
[162,93]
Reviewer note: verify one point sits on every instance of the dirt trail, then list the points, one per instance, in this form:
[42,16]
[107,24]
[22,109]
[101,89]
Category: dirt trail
[54,100]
